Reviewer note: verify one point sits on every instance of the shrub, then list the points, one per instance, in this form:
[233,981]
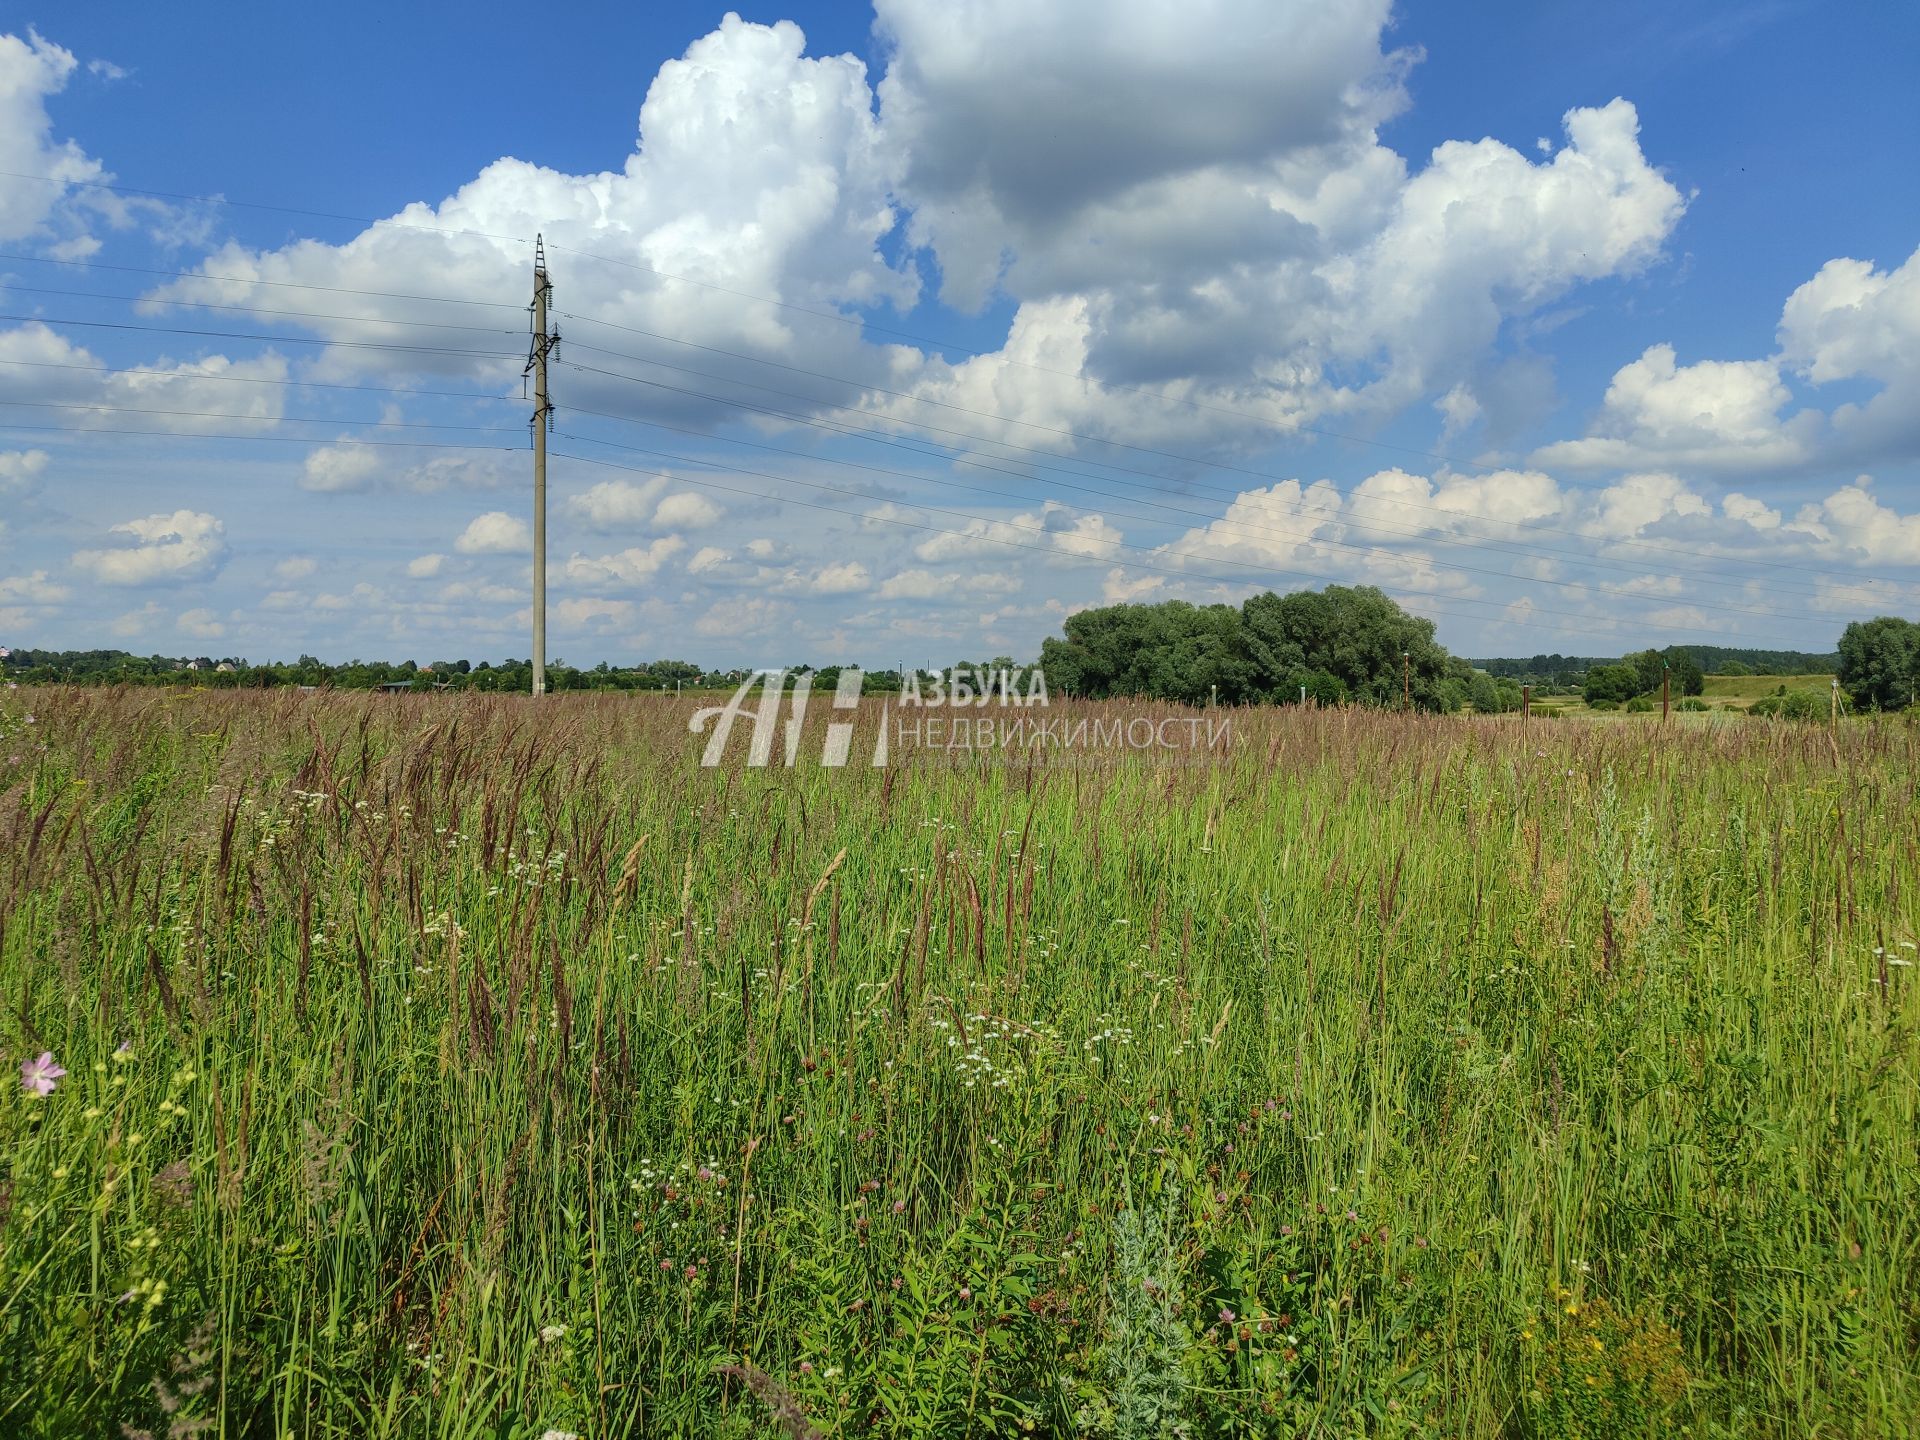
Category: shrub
[1639,705]
[1693,704]
[1603,704]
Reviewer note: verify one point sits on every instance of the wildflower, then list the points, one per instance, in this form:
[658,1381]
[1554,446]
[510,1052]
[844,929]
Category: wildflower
[1226,1316]
[899,1207]
[965,1293]
[806,1367]
[551,1333]
[123,1051]
[37,1077]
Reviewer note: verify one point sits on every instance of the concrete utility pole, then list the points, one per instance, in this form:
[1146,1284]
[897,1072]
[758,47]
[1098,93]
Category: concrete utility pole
[1406,680]
[543,346]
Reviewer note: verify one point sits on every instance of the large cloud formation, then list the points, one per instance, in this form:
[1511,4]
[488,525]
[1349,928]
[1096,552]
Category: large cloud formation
[1184,231]
[1851,322]
[1242,240]
[31,71]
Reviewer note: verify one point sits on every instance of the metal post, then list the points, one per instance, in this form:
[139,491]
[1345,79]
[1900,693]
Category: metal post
[1666,688]
[542,418]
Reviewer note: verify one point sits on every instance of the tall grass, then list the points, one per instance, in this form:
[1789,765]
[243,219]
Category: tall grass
[458,1068]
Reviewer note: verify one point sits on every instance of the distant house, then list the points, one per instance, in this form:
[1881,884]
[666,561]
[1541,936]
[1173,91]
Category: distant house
[224,668]
[193,664]
[397,687]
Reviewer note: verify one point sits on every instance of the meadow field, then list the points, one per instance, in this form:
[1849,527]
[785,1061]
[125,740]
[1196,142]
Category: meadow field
[433,1066]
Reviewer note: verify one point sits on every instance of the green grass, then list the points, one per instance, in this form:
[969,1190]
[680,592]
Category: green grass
[494,1069]
[1747,688]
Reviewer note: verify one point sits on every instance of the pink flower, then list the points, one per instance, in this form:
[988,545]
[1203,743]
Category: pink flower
[899,1207]
[37,1077]
[965,1293]
[1226,1316]
[806,1367]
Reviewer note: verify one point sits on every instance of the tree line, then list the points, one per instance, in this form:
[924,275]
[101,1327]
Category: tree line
[1340,645]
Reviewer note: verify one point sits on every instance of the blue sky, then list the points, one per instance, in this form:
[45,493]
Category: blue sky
[1576,328]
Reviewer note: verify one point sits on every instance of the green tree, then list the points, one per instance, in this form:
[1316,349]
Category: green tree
[1687,677]
[1611,682]
[1880,662]
[1356,635]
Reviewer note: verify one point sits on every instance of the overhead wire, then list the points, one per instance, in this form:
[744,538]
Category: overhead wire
[271,339]
[1259,567]
[226,379]
[256,280]
[1241,528]
[250,439]
[1352,497]
[260,310]
[1112,561]
[858,322]
[1519,549]
[261,419]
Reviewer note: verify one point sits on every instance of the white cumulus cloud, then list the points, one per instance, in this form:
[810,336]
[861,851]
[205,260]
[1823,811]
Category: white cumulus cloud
[167,549]
[495,533]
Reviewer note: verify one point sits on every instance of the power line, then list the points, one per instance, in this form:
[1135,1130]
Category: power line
[1229,527]
[1262,569]
[1346,517]
[255,205]
[250,439]
[1494,545]
[858,322]
[263,419]
[111,372]
[270,339]
[1069,554]
[861,323]
[862,387]
[256,280]
[257,310]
